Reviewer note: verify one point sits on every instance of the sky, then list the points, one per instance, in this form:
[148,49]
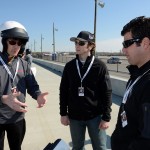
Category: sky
[69,18]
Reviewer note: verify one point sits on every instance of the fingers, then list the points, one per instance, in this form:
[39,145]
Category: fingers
[40,105]
[41,100]
[44,94]
[12,101]
[65,120]
[20,109]
[16,94]
[21,104]
[18,106]
[104,125]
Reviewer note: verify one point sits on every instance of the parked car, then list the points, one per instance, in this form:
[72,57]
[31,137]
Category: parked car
[114,60]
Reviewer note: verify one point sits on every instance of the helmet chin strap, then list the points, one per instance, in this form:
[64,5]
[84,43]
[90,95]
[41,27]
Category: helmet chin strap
[10,58]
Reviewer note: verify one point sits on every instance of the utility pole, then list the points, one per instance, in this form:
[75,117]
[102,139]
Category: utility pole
[41,43]
[53,38]
[34,45]
[101,4]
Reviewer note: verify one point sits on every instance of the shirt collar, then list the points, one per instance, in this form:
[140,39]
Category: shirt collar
[135,71]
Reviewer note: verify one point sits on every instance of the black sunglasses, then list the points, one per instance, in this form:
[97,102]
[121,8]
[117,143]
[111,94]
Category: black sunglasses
[81,43]
[14,42]
[128,43]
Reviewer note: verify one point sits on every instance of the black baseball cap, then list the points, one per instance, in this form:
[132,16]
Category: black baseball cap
[84,36]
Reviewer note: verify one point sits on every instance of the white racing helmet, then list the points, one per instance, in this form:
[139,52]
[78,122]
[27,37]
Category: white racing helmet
[13,29]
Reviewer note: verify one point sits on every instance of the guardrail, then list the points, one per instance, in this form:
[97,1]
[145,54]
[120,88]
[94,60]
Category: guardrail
[118,83]
[66,58]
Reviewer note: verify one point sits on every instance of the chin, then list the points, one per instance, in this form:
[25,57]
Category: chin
[13,55]
[78,53]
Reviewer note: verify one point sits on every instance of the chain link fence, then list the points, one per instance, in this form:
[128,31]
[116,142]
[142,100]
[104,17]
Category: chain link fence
[114,67]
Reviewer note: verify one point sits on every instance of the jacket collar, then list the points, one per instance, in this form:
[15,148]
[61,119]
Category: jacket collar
[88,59]
[5,55]
[135,71]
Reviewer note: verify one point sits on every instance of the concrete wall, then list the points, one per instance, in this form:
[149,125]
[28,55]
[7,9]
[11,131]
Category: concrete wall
[118,84]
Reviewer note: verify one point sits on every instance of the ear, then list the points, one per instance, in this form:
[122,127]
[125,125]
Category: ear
[91,46]
[146,42]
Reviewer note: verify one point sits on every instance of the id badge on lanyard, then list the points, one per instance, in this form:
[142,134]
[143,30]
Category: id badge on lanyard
[80,91]
[81,88]
[124,119]
[125,97]
[14,88]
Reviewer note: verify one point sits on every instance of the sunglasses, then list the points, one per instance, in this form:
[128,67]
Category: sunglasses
[14,42]
[81,43]
[128,43]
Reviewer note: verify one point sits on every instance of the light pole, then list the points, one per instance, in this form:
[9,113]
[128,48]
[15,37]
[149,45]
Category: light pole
[31,46]
[101,4]
[54,37]
[34,45]
[41,43]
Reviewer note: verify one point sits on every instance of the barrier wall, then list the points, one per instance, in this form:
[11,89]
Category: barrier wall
[118,83]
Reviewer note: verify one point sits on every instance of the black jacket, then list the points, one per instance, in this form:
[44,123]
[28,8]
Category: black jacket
[24,81]
[136,135]
[97,91]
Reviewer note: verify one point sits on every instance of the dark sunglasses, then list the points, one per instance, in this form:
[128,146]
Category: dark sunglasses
[128,43]
[14,42]
[81,43]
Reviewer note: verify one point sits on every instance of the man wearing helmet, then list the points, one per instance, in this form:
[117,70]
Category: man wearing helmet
[15,78]
[28,57]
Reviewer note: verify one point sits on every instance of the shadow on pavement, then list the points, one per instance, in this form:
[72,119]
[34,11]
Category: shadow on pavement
[116,99]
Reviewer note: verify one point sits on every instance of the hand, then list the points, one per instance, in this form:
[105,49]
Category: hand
[103,125]
[65,120]
[12,101]
[41,100]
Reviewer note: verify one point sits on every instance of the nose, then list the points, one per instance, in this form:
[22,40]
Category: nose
[124,50]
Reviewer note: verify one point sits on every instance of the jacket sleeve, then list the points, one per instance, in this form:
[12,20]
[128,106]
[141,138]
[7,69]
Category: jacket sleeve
[142,141]
[32,86]
[63,95]
[106,97]
[0,92]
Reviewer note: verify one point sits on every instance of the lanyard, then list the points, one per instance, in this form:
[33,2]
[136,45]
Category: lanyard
[7,69]
[77,64]
[129,88]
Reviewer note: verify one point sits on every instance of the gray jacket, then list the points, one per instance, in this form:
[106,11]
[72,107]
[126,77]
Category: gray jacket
[24,81]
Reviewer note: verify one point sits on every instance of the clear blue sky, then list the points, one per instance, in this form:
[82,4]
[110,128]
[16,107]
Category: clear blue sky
[70,17]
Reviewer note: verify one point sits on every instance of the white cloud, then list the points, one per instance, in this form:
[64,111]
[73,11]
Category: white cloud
[110,45]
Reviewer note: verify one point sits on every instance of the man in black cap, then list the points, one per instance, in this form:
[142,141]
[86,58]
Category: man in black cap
[85,95]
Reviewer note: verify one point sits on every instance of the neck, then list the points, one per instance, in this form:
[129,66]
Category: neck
[84,57]
[10,58]
[143,61]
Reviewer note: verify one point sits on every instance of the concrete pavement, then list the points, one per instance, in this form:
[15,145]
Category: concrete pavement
[43,125]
